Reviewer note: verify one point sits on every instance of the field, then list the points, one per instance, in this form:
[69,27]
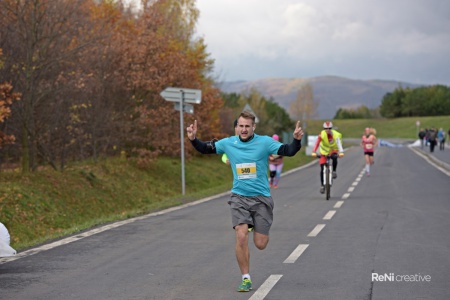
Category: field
[404,128]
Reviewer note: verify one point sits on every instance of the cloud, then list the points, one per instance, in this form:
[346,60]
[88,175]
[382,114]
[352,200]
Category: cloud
[403,40]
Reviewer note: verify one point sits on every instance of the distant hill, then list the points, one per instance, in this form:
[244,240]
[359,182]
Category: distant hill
[331,92]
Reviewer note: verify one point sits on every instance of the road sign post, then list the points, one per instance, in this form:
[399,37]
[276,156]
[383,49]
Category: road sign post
[180,96]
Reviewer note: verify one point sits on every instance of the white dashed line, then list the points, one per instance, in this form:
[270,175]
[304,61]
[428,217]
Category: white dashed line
[329,215]
[351,189]
[345,196]
[339,203]
[316,230]
[265,288]
[296,254]
[355,183]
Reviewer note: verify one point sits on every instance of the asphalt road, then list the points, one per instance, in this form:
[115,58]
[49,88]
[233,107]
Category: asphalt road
[393,225]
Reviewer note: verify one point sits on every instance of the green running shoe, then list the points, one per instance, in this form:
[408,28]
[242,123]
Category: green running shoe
[245,286]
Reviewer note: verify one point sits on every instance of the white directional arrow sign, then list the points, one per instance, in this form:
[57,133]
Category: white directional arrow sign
[177,94]
[182,97]
[187,108]
[249,109]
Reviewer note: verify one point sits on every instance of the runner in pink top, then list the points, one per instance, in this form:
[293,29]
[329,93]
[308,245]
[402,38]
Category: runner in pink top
[275,166]
[368,143]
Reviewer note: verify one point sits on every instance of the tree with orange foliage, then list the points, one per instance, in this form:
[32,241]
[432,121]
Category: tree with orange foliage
[162,54]
[6,99]
[91,73]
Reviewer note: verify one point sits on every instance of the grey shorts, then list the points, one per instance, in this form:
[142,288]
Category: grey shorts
[256,211]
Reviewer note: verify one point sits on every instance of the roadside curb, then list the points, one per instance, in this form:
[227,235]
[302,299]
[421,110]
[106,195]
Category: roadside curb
[443,166]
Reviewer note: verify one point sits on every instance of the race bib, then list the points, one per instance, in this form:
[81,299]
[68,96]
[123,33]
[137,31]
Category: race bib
[246,171]
[369,146]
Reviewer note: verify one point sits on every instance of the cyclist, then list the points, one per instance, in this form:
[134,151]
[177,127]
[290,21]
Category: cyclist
[330,142]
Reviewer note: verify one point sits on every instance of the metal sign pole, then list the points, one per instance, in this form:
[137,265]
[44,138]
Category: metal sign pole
[179,96]
[182,141]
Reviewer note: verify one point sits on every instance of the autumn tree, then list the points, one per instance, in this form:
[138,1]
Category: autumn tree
[164,54]
[7,97]
[44,38]
[304,107]
[91,73]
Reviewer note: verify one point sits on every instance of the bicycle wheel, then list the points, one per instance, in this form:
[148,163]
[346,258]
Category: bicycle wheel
[327,182]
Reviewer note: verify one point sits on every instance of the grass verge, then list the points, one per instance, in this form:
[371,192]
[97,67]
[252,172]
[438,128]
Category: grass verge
[46,205]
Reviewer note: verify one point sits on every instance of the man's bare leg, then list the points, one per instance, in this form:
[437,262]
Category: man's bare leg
[242,252]
[260,240]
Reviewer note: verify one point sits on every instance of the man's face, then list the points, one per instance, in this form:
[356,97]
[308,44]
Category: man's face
[245,128]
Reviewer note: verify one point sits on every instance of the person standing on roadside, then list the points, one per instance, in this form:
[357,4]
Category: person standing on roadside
[448,136]
[422,135]
[441,139]
[250,202]
[275,166]
[432,138]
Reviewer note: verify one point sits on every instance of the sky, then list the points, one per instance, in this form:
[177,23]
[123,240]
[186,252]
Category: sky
[403,40]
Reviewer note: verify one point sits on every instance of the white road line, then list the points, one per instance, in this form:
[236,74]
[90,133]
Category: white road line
[345,196]
[432,162]
[358,179]
[329,215]
[355,183]
[316,230]
[351,189]
[339,203]
[265,288]
[296,254]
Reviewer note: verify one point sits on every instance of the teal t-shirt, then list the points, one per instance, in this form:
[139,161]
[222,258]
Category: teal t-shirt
[249,162]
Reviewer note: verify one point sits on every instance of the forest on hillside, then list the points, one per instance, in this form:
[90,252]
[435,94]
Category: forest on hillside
[82,78]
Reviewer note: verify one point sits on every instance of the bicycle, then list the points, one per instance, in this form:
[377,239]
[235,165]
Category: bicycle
[327,176]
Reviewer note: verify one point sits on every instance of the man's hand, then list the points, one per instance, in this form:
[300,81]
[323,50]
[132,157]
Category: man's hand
[298,132]
[192,131]
[314,154]
[341,154]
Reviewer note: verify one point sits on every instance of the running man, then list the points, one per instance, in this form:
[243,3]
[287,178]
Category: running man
[250,202]
[330,142]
